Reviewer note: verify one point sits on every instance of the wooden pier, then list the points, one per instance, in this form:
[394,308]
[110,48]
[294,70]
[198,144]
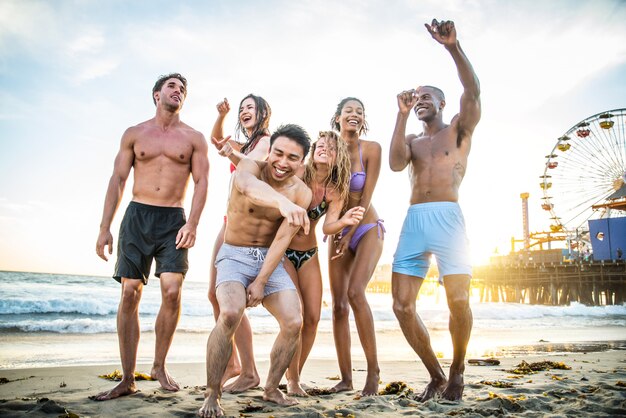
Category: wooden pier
[590,283]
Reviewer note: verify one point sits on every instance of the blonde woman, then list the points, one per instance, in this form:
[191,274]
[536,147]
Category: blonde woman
[327,174]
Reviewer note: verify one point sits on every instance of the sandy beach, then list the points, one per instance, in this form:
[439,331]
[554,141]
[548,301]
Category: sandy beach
[594,386]
[57,339]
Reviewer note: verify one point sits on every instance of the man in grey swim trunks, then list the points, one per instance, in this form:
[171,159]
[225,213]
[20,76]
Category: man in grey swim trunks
[434,223]
[266,208]
[164,153]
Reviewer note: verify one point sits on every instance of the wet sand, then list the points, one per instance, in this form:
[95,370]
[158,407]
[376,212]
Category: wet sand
[594,386]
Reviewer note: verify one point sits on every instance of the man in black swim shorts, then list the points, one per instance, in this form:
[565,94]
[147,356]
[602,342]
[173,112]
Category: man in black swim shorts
[163,152]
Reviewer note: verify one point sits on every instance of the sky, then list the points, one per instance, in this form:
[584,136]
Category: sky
[75,74]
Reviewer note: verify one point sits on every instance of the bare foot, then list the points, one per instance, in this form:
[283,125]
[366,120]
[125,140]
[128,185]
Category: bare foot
[454,389]
[341,387]
[123,388]
[276,396]
[167,382]
[435,386]
[294,389]
[211,408]
[243,383]
[371,385]
[233,369]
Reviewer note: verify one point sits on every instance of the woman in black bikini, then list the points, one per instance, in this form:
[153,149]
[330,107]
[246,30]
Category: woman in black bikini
[253,123]
[354,253]
[327,173]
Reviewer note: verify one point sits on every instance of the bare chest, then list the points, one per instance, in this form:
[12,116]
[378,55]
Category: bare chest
[176,149]
[252,211]
[434,151]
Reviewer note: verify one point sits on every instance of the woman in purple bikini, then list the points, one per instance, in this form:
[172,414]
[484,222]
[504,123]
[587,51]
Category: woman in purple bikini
[354,253]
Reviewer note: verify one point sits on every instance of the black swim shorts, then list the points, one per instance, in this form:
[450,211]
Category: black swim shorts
[146,233]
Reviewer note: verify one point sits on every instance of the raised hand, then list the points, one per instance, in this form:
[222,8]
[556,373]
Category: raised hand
[223,107]
[443,32]
[223,146]
[406,100]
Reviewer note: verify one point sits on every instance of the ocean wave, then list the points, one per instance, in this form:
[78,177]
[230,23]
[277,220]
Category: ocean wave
[516,311]
[80,304]
[60,305]
[63,326]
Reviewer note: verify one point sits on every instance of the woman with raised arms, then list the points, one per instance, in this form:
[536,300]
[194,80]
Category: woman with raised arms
[253,123]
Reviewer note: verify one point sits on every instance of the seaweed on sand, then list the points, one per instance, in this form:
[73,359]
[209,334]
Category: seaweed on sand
[396,388]
[531,368]
[117,375]
[496,383]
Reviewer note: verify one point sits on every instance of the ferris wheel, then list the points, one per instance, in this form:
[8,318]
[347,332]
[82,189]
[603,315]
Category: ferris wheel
[585,173]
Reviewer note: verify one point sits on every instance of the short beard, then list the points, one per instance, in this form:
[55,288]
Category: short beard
[172,108]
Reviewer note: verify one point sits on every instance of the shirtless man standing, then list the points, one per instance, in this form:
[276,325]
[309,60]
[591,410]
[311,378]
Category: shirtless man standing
[434,223]
[266,208]
[163,152]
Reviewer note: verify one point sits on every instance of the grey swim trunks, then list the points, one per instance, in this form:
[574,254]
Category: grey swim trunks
[243,264]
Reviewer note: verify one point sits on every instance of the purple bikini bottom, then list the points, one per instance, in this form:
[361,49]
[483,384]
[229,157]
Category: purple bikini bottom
[361,230]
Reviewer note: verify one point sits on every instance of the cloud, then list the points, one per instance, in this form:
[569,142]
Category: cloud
[36,32]
[24,24]
[536,61]
[91,43]
[94,68]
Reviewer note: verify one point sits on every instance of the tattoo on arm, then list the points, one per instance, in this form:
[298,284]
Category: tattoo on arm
[458,172]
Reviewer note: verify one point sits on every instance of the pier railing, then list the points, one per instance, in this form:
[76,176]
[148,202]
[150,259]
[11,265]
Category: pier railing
[590,283]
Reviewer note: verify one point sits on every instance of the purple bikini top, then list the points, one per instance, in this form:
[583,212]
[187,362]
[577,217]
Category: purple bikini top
[357,179]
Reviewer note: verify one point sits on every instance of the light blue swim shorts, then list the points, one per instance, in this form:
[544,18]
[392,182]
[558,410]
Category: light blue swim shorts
[243,264]
[433,228]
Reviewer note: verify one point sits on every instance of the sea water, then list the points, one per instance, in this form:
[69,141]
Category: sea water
[71,319]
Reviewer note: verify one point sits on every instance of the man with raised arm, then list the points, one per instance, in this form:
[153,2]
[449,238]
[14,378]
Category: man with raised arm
[266,208]
[164,153]
[434,224]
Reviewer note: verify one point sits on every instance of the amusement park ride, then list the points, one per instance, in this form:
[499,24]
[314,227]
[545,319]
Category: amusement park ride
[584,191]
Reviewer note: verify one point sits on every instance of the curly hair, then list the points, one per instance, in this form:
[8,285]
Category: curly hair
[261,128]
[333,121]
[339,173]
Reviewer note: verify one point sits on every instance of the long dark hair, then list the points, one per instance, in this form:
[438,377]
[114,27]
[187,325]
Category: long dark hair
[261,128]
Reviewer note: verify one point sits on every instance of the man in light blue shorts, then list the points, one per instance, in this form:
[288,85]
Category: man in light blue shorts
[434,223]
[266,208]
[433,228]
